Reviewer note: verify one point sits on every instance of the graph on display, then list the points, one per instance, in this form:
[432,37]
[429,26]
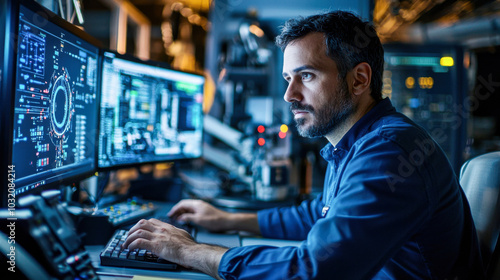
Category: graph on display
[148,113]
[55,102]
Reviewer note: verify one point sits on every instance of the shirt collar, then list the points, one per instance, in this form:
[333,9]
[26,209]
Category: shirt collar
[359,129]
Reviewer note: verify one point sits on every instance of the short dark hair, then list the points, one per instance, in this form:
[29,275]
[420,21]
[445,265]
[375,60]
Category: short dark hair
[349,41]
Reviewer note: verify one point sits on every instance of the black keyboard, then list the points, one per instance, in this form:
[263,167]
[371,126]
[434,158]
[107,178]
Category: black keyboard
[114,255]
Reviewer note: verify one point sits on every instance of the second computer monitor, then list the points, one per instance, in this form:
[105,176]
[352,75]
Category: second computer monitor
[148,113]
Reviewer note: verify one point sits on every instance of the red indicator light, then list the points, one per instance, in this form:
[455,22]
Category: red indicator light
[261,141]
[282,135]
[261,129]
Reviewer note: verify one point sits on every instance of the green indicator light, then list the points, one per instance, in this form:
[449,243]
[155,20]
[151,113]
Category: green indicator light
[187,87]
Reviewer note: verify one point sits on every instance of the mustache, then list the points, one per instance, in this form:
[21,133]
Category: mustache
[302,107]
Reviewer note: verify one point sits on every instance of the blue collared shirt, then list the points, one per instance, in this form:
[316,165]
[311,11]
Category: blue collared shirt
[391,208]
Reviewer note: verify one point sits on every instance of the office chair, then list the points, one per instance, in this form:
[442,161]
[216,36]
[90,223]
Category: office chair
[480,180]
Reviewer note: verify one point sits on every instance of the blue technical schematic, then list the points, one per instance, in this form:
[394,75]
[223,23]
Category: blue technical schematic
[32,53]
[55,102]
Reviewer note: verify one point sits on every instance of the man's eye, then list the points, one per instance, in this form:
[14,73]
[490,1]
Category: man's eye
[306,76]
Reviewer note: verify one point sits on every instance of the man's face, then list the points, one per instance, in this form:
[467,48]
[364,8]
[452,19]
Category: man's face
[320,100]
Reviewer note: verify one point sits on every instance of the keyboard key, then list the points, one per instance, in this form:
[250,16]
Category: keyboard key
[132,255]
[141,255]
[150,257]
[123,254]
[107,253]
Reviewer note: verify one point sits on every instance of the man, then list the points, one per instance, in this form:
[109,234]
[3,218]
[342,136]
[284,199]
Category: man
[391,208]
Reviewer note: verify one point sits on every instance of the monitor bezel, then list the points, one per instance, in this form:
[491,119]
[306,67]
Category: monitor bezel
[8,22]
[14,9]
[159,64]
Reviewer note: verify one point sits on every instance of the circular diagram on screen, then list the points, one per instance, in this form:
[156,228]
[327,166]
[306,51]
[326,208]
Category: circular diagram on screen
[61,106]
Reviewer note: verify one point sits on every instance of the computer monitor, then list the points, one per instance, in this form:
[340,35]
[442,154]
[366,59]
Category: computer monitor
[55,108]
[148,113]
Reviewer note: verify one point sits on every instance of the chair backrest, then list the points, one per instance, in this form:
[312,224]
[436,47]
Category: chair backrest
[480,180]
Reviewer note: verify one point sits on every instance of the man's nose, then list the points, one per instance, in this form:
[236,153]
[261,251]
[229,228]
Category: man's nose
[293,92]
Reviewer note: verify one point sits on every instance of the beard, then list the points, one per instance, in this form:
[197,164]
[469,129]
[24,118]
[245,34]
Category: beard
[327,117]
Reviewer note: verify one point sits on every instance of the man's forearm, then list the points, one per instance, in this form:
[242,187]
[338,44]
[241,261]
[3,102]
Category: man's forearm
[206,258]
[244,222]
[203,257]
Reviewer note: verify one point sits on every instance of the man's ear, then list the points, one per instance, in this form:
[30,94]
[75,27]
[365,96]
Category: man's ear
[361,78]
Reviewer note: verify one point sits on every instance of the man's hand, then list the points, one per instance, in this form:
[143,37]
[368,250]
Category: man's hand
[213,219]
[164,240]
[175,245]
[200,213]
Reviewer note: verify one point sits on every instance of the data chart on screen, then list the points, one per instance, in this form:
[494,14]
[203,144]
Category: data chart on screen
[148,113]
